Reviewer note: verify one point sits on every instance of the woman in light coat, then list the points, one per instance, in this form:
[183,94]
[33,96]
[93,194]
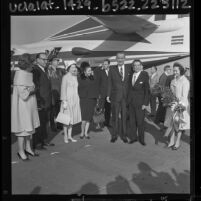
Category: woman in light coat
[70,100]
[180,86]
[24,113]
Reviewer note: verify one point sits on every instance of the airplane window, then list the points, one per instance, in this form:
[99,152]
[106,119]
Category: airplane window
[160,17]
[183,15]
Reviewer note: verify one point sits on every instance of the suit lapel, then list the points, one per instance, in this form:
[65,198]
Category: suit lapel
[117,70]
[43,72]
[138,79]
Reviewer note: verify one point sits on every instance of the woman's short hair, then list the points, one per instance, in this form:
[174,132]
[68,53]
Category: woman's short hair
[181,68]
[84,65]
[25,61]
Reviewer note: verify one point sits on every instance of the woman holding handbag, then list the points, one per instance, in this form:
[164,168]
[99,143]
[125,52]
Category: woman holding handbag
[70,105]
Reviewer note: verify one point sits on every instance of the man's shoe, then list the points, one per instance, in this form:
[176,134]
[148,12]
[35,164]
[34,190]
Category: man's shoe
[142,143]
[48,144]
[132,141]
[125,140]
[113,139]
[41,147]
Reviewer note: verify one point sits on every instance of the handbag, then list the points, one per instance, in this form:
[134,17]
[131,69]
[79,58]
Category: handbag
[63,118]
[98,116]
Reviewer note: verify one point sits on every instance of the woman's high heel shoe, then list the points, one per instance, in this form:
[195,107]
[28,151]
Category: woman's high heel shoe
[66,140]
[72,140]
[81,136]
[169,146]
[30,154]
[175,148]
[20,157]
[87,137]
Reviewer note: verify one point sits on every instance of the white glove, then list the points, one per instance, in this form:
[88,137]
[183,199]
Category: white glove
[173,106]
[65,104]
[108,99]
[30,89]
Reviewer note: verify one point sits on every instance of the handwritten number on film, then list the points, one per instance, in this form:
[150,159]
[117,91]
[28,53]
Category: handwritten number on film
[77,4]
[107,5]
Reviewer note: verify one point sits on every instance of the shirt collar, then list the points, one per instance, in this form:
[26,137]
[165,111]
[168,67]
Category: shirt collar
[121,66]
[136,74]
[166,73]
[153,74]
[41,67]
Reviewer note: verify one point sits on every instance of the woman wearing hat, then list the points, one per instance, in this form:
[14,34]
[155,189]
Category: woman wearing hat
[70,100]
[24,113]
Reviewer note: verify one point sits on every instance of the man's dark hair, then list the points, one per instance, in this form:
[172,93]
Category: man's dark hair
[107,61]
[137,60]
[39,55]
[121,53]
[166,67]
[181,68]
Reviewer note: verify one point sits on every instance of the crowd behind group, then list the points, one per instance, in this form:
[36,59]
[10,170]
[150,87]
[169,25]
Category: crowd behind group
[42,92]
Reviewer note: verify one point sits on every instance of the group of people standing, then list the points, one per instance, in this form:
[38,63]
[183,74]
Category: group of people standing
[179,84]
[40,92]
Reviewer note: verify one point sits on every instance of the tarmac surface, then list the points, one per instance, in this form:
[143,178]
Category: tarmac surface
[97,166]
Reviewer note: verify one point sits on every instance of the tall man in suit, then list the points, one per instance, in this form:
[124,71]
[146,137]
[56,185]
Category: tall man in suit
[160,114]
[44,100]
[138,99]
[103,91]
[154,78]
[117,93]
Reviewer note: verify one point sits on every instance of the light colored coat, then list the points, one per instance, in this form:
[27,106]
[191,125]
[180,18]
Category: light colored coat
[69,93]
[181,89]
[24,113]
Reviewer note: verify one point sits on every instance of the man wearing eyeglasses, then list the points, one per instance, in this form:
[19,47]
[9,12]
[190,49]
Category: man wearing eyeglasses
[44,101]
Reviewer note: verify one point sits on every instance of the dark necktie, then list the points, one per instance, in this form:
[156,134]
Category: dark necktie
[134,79]
[121,72]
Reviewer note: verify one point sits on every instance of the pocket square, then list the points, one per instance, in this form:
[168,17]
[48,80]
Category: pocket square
[141,82]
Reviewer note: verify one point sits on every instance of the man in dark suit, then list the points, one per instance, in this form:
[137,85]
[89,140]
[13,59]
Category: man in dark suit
[138,99]
[44,99]
[160,113]
[117,93]
[103,91]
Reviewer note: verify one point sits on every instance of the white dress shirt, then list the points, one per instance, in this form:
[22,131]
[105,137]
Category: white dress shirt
[136,75]
[123,70]
[107,71]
